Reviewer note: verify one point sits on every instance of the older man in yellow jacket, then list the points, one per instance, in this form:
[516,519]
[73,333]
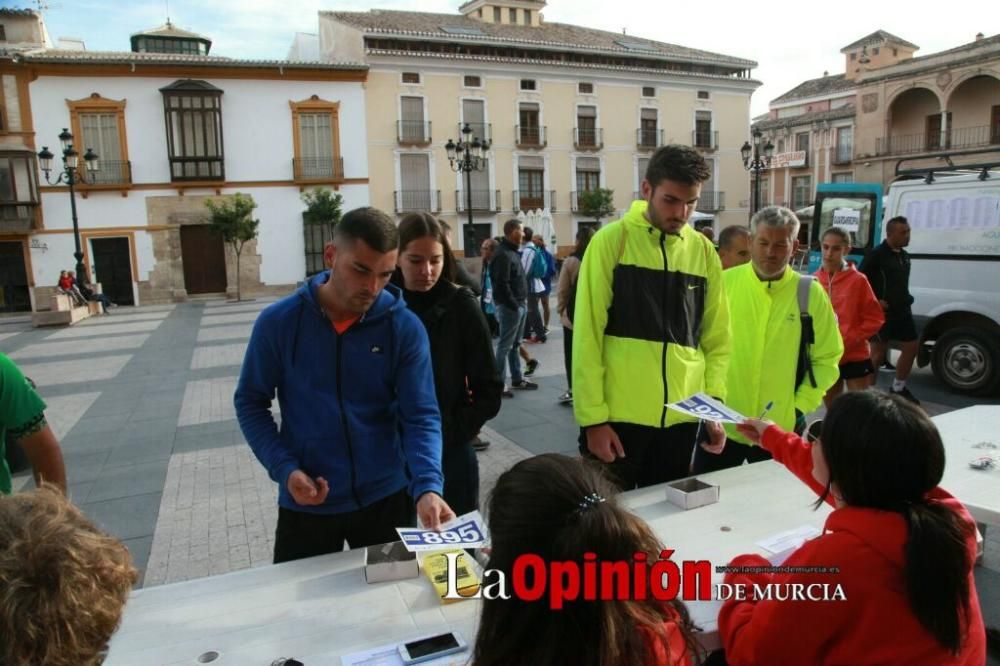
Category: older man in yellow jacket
[651,326]
[770,369]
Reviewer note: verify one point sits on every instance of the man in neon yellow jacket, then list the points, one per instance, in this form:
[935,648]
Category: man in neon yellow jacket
[764,369]
[651,326]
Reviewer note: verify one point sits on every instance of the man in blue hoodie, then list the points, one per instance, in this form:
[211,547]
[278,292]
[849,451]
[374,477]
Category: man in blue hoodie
[360,434]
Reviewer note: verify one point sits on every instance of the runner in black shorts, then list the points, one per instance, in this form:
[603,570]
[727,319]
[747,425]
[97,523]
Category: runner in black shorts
[888,270]
[859,314]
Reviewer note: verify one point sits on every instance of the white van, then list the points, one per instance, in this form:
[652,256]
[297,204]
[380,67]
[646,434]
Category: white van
[955,272]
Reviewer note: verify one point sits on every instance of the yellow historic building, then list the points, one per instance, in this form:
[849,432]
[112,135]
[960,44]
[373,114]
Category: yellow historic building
[565,109]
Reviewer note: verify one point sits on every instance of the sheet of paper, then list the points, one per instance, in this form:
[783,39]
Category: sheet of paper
[706,407]
[789,539]
[467,531]
[388,655]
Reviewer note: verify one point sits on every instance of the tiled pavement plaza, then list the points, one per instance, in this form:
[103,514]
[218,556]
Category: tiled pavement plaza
[142,403]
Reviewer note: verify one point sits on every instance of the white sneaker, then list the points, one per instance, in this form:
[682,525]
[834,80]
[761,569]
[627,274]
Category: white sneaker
[566,397]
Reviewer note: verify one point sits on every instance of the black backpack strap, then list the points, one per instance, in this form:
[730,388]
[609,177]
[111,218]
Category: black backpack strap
[804,367]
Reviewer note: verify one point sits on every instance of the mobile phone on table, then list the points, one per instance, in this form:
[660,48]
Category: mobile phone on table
[431,647]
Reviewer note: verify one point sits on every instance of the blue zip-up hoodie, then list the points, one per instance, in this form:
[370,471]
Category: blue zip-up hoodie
[357,409]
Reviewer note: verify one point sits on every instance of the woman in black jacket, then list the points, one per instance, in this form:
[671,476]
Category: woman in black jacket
[465,376]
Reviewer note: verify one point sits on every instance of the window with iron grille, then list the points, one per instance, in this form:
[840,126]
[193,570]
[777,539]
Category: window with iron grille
[802,141]
[528,84]
[647,127]
[648,91]
[586,123]
[585,88]
[703,129]
[588,174]
[411,77]
[846,177]
[845,143]
[101,133]
[193,112]
[471,81]
[704,94]
[801,191]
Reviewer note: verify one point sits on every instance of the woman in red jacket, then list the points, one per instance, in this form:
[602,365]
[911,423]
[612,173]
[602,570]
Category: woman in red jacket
[858,312]
[561,508]
[903,549]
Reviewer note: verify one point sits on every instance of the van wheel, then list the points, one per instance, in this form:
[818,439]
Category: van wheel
[968,360]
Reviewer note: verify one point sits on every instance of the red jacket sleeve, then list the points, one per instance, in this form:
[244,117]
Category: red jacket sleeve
[870,314]
[794,453]
[781,632]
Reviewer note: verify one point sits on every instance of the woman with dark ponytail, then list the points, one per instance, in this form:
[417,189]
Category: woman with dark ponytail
[903,547]
[561,508]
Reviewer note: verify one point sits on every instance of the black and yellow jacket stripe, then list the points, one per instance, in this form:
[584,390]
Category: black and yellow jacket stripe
[651,323]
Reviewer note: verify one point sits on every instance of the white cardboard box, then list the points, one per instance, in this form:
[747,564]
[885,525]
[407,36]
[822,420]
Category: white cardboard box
[390,561]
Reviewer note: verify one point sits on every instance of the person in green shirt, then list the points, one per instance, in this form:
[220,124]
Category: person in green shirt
[22,420]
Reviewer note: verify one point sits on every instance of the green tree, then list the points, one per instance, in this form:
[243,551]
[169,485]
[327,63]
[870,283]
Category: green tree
[597,203]
[322,207]
[232,218]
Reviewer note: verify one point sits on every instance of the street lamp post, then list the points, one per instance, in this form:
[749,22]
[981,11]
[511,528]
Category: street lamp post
[756,159]
[70,175]
[466,156]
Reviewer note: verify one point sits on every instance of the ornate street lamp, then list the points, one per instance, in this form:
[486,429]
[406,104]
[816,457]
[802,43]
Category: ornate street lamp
[70,175]
[756,159]
[466,156]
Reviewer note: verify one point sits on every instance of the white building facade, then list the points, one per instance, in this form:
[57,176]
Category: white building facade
[173,130]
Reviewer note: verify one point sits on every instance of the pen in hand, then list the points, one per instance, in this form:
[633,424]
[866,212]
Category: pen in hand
[766,410]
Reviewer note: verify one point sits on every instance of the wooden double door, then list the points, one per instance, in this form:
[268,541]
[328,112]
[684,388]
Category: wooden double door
[204,258]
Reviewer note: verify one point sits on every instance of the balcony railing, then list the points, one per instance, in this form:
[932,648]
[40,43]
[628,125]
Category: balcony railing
[411,132]
[417,201]
[482,131]
[17,216]
[574,201]
[711,201]
[530,136]
[649,138]
[482,200]
[197,168]
[588,138]
[705,140]
[953,139]
[841,156]
[535,200]
[319,169]
[112,172]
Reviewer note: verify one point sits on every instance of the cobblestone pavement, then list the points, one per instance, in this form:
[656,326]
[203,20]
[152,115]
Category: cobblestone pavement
[142,403]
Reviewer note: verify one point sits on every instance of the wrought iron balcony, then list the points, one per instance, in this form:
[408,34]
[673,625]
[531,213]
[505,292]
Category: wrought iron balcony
[482,200]
[925,142]
[588,138]
[417,201]
[530,136]
[318,169]
[413,132]
[482,131]
[711,201]
[705,140]
[649,138]
[535,200]
[112,172]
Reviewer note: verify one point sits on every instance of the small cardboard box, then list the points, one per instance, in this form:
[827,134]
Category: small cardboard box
[390,561]
[692,493]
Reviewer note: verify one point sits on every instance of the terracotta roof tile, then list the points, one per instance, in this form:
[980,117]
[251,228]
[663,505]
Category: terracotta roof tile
[577,38]
[879,37]
[113,57]
[825,85]
[805,118]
